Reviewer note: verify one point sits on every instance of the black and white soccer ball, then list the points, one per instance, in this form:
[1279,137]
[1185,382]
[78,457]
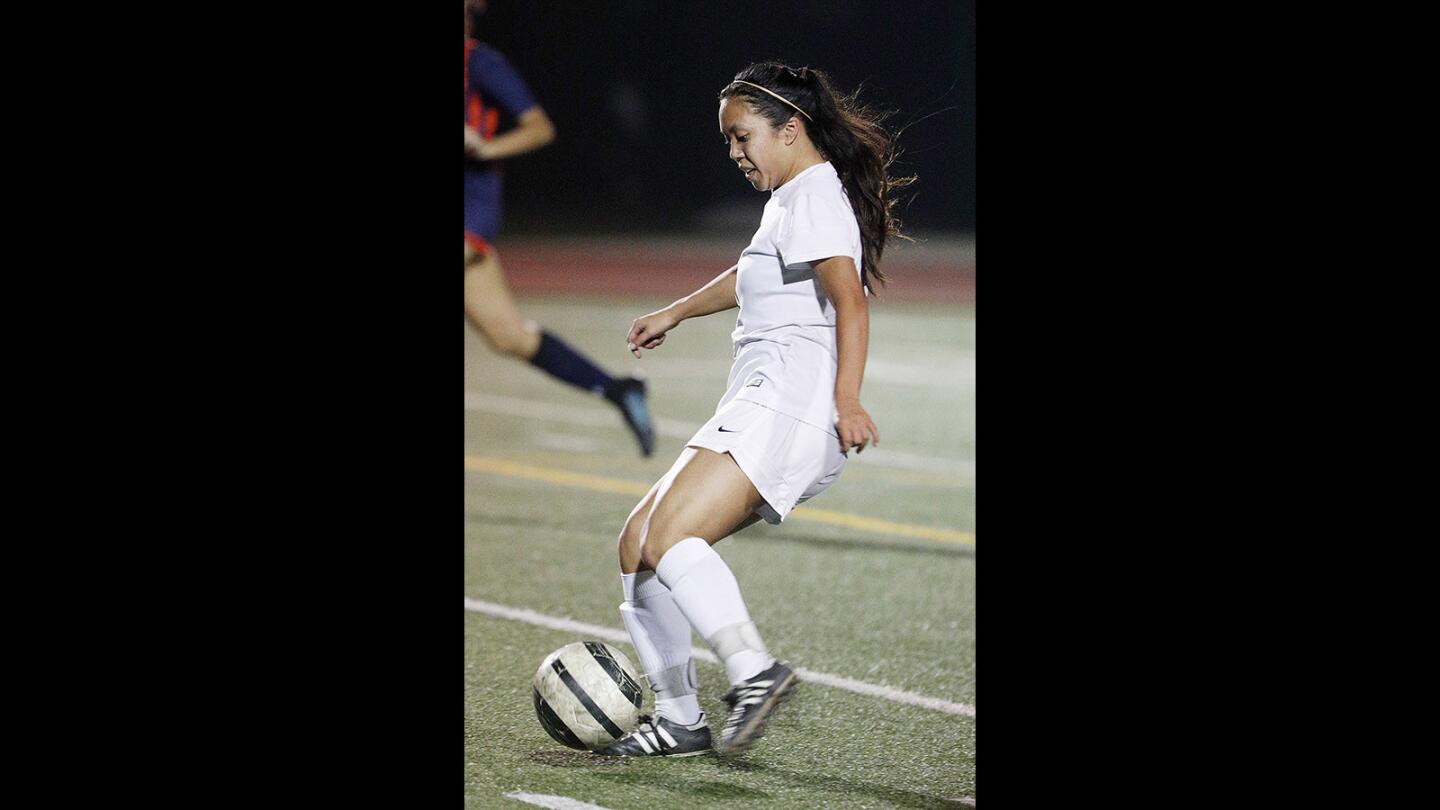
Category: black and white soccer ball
[587,695]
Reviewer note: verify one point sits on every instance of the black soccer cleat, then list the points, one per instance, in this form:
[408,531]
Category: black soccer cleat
[751,704]
[628,394]
[661,738]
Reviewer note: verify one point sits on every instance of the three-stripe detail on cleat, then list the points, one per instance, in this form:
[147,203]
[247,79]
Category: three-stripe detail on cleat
[648,736]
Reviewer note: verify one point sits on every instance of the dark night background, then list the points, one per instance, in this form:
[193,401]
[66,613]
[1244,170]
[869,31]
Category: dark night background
[632,88]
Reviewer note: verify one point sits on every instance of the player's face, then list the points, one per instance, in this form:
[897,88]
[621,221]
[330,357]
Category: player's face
[755,144]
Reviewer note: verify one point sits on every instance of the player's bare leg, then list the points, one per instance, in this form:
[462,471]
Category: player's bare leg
[631,535]
[629,545]
[705,495]
[491,308]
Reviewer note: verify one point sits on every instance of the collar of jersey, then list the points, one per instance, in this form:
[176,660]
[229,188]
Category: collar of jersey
[825,164]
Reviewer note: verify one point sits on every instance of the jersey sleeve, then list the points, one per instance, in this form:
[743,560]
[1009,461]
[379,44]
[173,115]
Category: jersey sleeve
[816,227]
[493,74]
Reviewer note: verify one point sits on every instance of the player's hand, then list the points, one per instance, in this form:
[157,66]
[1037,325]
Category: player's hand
[648,331]
[474,143]
[856,428]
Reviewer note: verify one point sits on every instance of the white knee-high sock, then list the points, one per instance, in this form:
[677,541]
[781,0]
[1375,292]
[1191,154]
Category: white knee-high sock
[661,636]
[705,590]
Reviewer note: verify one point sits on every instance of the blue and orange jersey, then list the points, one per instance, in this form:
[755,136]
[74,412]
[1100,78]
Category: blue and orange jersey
[492,87]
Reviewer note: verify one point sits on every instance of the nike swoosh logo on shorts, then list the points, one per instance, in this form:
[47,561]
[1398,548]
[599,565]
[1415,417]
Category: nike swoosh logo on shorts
[723,430]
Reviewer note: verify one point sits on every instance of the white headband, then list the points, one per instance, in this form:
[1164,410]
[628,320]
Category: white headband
[776,95]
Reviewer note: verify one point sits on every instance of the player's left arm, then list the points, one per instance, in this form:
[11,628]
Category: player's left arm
[532,130]
[841,281]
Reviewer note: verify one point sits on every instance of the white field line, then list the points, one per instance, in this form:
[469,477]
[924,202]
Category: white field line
[882,456]
[567,803]
[621,637]
[553,802]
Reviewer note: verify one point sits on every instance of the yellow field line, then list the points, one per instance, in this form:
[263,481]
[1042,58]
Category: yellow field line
[621,487]
[554,476]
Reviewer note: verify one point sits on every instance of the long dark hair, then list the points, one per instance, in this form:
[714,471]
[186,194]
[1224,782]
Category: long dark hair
[848,134]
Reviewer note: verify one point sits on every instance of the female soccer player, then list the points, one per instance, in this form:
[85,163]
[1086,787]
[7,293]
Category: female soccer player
[492,86]
[791,411]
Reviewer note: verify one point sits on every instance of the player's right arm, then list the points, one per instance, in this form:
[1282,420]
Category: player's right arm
[532,130]
[648,331]
[487,71]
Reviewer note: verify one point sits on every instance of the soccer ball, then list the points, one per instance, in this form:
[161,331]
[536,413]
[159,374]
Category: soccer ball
[587,695]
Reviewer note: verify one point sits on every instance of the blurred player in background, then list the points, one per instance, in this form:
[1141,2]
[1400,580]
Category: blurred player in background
[493,88]
[791,412]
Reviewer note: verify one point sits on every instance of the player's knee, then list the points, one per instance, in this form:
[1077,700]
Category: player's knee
[631,531]
[504,344]
[658,534]
[654,546]
[629,547]
[650,554]
[512,342]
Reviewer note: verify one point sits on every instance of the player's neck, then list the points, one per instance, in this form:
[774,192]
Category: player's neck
[811,157]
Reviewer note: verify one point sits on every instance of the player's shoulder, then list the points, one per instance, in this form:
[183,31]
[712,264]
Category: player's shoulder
[819,183]
[480,53]
[819,192]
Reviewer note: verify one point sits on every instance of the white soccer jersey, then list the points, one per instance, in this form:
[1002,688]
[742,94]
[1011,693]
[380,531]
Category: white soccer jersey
[784,338]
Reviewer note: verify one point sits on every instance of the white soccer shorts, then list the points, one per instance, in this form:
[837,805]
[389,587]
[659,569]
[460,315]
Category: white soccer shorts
[787,460]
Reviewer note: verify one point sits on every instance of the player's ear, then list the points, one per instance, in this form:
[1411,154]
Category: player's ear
[790,131]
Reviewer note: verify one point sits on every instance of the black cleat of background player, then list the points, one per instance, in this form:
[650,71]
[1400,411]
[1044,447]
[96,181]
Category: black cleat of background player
[628,394]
